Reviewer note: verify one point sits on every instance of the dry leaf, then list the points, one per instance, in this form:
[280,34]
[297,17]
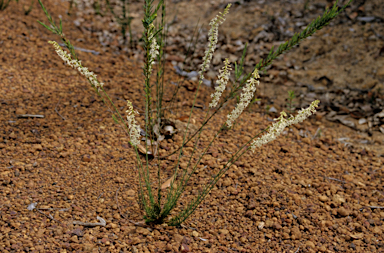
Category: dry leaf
[141,149]
[167,183]
[357,236]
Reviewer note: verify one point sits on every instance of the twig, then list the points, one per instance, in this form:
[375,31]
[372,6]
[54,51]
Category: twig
[373,207]
[82,49]
[58,111]
[166,108]
[30,116]
[48,216]
[59,209]
[91,224]
[317,132]
[338,180]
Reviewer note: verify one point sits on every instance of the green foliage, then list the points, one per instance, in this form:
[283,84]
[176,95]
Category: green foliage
[27,11]
[124,20]
[291,97]
[4,4]
[58,30]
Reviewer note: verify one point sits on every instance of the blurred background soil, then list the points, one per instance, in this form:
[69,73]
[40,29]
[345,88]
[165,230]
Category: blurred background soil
[342,65]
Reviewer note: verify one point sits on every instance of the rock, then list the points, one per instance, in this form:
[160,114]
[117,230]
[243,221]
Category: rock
[268,223]
[87,247]
[276,226]
[135,241]
[74,239]
[323,198]
[310,244]
[119,180]
[178,238]
[295,233]
[224,231]
[285,236]
[184,248]
[195,233]
[12,135]
[131,193]
[38,147]
[227,182]
[20,111]
[322,249]
[343,212]
[86,158]
[142,231]
[338,199]
[249,214]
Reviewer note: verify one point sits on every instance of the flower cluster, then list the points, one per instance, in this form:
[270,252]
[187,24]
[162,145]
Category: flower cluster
[134,129]
[282,122]
[222,82]
[76,65]
[245,98]
[212,37]
[154,48]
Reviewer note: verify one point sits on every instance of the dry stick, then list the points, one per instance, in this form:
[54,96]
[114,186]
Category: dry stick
[91,224]
[30,116]
[51,209]
[164,108]
[373,207]
[48,216]
[338,180]
[58,111]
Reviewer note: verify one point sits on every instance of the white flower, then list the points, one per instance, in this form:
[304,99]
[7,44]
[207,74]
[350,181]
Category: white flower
[245,98]
[153,49]
[212,37]
[134,129]
[222,82]
[282,122]
[76,65]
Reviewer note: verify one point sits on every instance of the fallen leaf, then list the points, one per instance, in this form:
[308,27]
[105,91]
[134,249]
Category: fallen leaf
[167,183]
[357,236]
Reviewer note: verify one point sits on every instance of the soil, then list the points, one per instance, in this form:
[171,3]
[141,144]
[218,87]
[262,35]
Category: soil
[65,163]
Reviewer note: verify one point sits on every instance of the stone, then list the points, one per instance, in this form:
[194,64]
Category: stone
[119,180]
[310,244]
[342,212]
[295,233]
[224,231]
[178,238]
[141,230]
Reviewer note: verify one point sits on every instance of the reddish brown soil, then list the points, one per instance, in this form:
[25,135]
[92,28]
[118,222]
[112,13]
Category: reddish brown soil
[301,193]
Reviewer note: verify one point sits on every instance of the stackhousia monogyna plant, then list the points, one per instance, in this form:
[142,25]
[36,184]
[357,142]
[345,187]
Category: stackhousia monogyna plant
[156,201]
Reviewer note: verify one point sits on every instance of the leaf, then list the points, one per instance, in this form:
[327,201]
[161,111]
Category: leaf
[141,148]
[167,183]
[114,118]
[357,236]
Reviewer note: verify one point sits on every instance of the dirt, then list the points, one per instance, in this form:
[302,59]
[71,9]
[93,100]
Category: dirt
[311,190]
